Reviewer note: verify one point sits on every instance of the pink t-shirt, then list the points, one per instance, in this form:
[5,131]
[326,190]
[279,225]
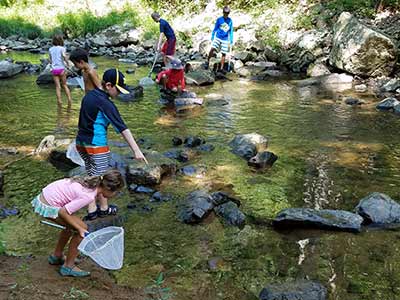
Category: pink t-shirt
[69,194]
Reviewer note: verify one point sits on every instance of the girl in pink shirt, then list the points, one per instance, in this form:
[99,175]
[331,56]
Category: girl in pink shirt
[61,199]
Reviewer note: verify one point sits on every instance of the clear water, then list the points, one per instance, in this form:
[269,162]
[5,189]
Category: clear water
[330,156]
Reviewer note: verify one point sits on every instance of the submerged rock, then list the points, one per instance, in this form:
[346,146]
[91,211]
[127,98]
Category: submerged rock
[231,214]
[140,173]
[298,290]
[378,209]
[387,104]
[195,207]
[247,145]
[321,219]
[200,77]
[134,94]
[262,159]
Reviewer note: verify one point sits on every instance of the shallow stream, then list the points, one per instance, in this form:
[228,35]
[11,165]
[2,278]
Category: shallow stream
[330,156]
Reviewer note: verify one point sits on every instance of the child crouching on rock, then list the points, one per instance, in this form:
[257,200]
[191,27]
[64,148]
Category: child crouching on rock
[61,199]
[173,78]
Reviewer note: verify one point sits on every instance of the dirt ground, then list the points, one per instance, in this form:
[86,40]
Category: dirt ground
[33,278]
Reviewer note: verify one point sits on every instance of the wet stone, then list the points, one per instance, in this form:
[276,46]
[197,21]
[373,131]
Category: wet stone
[193,171]
[178,154]
[220,197]
[144,190]
[231,214]
[298,290]
[353,101]
[193,141]
[206,148]
[262,160]
[320,219]
[196,206]
[159,197]
[177,141]
[378,209]
[387,104]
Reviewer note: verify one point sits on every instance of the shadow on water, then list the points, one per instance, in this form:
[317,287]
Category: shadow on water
[330,156]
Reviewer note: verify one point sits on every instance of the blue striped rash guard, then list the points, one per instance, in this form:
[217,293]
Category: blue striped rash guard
[223,29]
[97,112]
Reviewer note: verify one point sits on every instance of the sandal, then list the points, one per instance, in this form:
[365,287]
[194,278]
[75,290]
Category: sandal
[91,216]
[110,211]
[66,271]
[55,260]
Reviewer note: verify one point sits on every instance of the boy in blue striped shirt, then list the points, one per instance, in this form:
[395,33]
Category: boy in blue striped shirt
[222,37]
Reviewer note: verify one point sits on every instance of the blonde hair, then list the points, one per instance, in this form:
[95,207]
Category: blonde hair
[112,180]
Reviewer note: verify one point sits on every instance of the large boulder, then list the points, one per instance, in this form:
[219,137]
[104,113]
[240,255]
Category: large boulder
[117,35]
[361,50]
[262,160]
[308,47]
[298,290]
[321,219]
[247,145]
[9,69]
[379,209]
[387,104]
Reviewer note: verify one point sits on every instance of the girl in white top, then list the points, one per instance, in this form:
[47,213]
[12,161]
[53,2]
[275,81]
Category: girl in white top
[58,61]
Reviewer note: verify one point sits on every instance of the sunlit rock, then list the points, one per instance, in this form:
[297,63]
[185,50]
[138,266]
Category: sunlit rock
[317,69]
[361,50]
[139,172]
[247,145]
[379,209]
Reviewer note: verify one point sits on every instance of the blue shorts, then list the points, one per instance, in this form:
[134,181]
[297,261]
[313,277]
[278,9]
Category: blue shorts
[220,45]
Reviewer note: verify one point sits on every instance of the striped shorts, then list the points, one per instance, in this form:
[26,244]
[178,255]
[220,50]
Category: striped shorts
[220,45]
[96,158]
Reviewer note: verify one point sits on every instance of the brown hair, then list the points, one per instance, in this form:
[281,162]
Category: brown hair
[111,180]
[58,40]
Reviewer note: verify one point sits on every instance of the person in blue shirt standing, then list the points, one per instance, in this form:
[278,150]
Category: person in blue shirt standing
[168,48]
[222,37]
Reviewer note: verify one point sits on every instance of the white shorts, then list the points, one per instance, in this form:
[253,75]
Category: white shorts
[220,45]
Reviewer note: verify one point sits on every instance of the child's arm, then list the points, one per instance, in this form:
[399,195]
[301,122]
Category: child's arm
[133,145]
[66,60]
[73,221]
[92,74]
[159,42]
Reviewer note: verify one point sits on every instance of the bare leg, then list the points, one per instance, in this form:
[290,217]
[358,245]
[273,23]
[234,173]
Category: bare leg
[92,207]
[223,61]
[58,89]
[73,251]
[63,239]
[63,78]
[210,54]
[103,201]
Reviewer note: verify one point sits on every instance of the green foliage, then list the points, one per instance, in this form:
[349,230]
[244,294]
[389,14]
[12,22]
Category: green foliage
[360,7]
[176,6]
[151,28]
[270,36]
[18,26]
[75,293]
[156,291]
[249,4]
[2,245]
[80,24]
[10,3]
